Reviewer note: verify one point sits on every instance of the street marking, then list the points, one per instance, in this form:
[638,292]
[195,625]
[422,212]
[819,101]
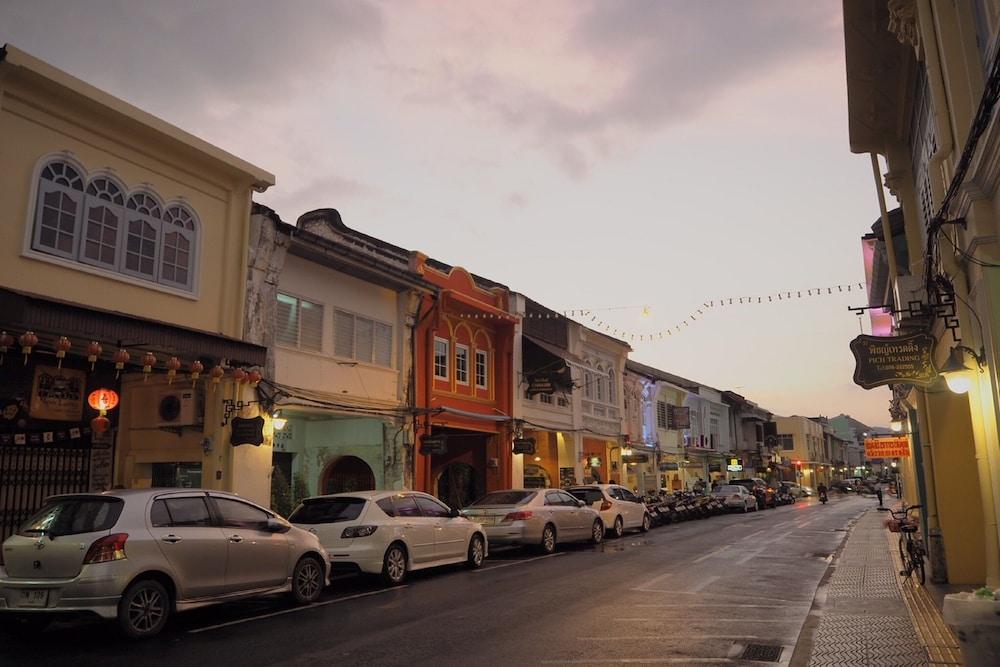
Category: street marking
[747,537]
[519,562]
[704,583]
[659,619]
[712,553]
[718,604]
[294,609]
[719,595]
[640,661]
[654,580]
[685,637]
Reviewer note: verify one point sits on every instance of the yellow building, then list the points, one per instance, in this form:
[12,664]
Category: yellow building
[121,231]
[918,79]
[800,441]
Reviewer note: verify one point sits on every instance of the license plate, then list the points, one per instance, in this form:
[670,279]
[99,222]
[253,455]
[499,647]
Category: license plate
[34,598]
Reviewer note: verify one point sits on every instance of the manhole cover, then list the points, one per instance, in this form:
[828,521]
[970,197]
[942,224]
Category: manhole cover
[762,652]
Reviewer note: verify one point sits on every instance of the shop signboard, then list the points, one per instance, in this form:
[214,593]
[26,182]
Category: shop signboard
[714,467]
[594,461]
[637,457]
[881,360]
[887,448]
[433,444]
[540,384]
[734,467]
[247,431]
[57,394]
[101,461]
[524,446]
[678,418]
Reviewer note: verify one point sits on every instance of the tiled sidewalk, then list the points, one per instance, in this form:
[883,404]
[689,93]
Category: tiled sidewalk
[870,616]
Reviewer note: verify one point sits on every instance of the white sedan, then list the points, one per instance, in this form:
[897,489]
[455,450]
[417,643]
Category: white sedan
[620,509]
[390,533]
[736,497]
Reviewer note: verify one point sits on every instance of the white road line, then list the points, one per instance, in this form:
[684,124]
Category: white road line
[654,580]
[642,661]
[704,583]
[294,609]
[683,606]
[520,562]
[685,637]
[712,553]
[719,595]
[659,619]
[753,534]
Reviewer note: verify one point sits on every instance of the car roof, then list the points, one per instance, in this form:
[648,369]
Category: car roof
[141,493]
[376,494]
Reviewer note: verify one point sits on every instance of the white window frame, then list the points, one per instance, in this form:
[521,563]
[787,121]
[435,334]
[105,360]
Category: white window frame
[298,324]
[447,359]
[485,355]
[461,347]
[32,249]
[354,340]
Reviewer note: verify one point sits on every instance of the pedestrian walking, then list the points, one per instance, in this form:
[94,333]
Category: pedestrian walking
[878,493]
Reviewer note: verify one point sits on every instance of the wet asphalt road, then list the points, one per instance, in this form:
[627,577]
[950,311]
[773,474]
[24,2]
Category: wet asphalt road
[691,593]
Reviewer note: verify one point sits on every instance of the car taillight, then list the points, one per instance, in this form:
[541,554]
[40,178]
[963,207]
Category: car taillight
[357,531]
[517,516]
[735,496]
[605,505]
[107,549]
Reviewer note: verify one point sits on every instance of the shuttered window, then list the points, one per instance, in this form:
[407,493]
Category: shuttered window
[362,338]
[661,414]
[299,323]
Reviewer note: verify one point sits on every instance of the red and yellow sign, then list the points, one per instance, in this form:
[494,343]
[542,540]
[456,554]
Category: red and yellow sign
[887,448]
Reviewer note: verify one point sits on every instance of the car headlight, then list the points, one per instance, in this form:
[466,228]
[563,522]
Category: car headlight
[357,531]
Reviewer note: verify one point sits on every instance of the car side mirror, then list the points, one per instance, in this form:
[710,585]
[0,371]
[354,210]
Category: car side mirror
[580,503]
[455,513]
[275,526]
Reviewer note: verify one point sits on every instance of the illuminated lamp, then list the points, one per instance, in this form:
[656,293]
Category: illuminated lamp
[896,425]
[102,400]
[955,372]
[278,421]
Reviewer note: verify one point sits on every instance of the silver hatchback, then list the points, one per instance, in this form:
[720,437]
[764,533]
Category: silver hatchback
[137,556]
[535,517]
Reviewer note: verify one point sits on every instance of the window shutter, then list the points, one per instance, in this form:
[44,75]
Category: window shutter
[365,339]
[286,326]
[343,334]
[311,323]
[383,344]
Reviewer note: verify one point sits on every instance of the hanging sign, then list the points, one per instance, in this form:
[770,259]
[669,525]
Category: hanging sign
[433,444]
[524,446]
[247,431]
[678,418]
[668,465]
[887,448]
[637,457]
[881,360]
[57,394]
[540,384]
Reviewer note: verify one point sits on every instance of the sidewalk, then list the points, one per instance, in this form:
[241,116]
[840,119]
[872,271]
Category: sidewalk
[866,614]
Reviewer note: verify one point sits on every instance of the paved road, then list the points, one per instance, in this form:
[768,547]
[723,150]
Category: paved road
[693,593]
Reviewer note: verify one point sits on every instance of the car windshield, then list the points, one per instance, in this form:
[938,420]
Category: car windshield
[72,516]
[504,498]
[327,510]
[727,489]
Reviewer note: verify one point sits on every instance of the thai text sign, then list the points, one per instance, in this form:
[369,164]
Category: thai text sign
[881,360]
[887,448]
[57,393]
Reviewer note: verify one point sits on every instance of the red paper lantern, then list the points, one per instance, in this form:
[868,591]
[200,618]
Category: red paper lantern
[148,361]
[239,375]
[196,368]
[100,424]
[253,377]
[28,340]
[121,358]
[93,352]
[62,347]
[6,342]
[217,372]
[103,400]
[173,364]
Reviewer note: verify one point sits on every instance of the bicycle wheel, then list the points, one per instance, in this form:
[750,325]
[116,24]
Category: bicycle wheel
[902,548]
[917,562]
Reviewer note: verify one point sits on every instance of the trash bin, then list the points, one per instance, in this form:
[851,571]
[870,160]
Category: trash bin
[976,621]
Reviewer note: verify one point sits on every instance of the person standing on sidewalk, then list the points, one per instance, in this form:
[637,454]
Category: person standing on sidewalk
[878,493]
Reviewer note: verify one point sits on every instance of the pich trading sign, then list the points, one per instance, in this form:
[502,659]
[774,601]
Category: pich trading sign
[881,360]
[887,448]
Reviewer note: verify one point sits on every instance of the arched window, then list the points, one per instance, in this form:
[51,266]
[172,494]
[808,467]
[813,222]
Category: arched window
[102,223]
[142,235]
[588,384]
[57,213]
[95,223]
[179,238]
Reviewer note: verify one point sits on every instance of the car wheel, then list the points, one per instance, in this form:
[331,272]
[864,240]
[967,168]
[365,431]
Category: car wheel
[307,580]
[394,564]
[619,527]
[477,552]
[597,532]
[646,523]
[548,543]
[745,510]
[143,609]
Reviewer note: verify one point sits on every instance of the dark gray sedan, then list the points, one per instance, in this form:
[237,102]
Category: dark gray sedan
[535,517]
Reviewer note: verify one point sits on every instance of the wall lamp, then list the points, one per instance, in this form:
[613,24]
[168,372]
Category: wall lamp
[956,373]
[277,421]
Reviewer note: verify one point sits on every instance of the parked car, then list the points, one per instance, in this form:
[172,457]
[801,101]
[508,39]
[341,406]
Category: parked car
[391,533]
[798,490]
[136,556]
[757,486]
[620,509]
[535,517]
[736,497]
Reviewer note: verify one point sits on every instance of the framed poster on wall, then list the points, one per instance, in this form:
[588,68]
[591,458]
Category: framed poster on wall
[57,394]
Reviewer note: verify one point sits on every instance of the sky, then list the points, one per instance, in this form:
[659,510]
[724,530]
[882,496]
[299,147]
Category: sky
[609,156]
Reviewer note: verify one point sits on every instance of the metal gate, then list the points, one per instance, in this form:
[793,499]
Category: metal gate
[30,473]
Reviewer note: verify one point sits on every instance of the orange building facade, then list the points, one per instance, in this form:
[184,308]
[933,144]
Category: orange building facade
[463,360]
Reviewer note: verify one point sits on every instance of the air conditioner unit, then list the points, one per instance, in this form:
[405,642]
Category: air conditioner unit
[178,407]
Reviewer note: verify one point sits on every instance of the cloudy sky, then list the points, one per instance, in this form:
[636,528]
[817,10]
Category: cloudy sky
[602,155]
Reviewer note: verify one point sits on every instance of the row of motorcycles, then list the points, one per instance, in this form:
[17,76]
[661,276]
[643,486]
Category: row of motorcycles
[666,508]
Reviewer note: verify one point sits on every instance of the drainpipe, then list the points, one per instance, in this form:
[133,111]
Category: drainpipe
[428,372]
[890,249]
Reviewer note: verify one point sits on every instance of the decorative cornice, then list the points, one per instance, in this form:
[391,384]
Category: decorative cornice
[903,22]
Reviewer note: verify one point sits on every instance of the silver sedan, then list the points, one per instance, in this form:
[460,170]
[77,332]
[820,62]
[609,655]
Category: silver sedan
[136,556]
[535,517]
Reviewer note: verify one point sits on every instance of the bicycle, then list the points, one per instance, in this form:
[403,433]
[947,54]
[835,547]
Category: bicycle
[911,547]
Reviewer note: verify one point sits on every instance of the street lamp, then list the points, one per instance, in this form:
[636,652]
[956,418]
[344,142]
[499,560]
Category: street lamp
[897,425]
[956,373]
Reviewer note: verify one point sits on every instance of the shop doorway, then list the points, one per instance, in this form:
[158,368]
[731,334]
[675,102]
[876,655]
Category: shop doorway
[456,485]
[346,474]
